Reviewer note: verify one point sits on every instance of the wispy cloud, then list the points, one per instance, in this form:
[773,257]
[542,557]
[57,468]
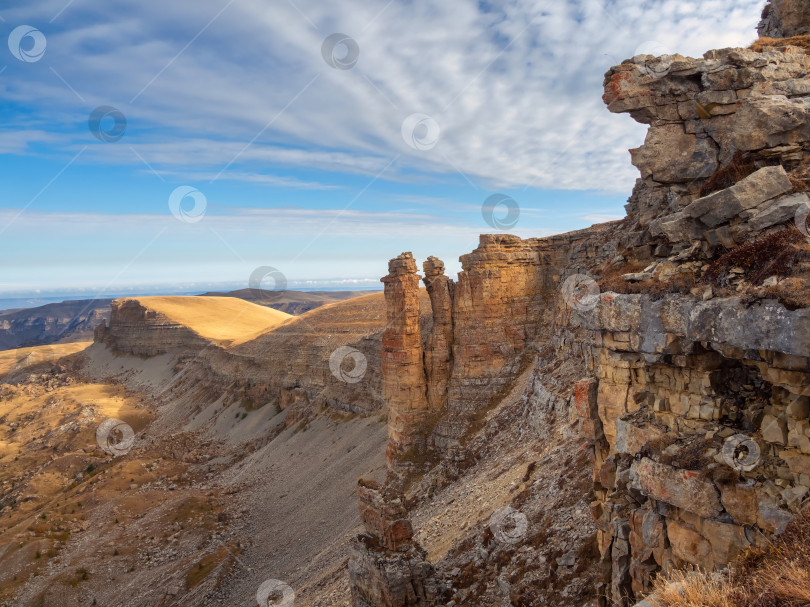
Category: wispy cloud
[515,88]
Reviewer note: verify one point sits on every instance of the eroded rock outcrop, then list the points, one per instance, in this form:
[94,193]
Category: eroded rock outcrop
[387,567]
[784,18]
[698,395]
[733,108]
[404,384]
[688,323]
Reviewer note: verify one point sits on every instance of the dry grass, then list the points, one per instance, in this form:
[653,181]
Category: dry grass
[793,293]
[724,177]
[763,44]
[692,589]
[28,357]
[778,576]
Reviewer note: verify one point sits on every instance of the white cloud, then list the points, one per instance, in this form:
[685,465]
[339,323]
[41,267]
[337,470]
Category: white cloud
[516,91]
[601,217]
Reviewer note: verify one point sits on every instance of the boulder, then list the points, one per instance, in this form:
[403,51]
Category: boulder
[777,211]
[669,155]
[720,207]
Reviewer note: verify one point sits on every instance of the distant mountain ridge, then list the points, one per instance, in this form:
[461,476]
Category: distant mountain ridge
[75,320]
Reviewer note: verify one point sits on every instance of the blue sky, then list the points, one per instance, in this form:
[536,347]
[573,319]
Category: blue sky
[296,163]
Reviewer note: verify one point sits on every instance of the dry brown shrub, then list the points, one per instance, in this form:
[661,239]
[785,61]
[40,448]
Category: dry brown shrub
[771,255]
[726,176]
[763,44]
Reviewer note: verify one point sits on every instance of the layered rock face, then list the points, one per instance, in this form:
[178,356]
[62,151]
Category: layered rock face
[73,320]
[327,357]
[698,424]
[481,326]
[494,314]
[698,430]
[404,387]
[136,329]
[439,346]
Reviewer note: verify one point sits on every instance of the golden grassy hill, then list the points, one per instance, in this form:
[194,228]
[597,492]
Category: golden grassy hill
[26,357]
[226,320]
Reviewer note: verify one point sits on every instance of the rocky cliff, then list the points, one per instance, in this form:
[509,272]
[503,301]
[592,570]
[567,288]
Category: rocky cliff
[52,323]
[671,348]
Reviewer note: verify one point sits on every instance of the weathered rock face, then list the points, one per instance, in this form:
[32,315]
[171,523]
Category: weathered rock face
[136,329]
[307,363]
[387,567]
[404,384]
[378,579]
[384,516]
[439,346]
[697,396]
[494,314]
[783,18]
[706,114]
[481,327]
[683,385]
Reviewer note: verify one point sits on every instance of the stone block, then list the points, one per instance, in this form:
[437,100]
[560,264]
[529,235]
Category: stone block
[798,462]
[682,488]
[741,501]
[720,207]
[630,438]
[690,546]
[776,211]
[774,429]
[727,541]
